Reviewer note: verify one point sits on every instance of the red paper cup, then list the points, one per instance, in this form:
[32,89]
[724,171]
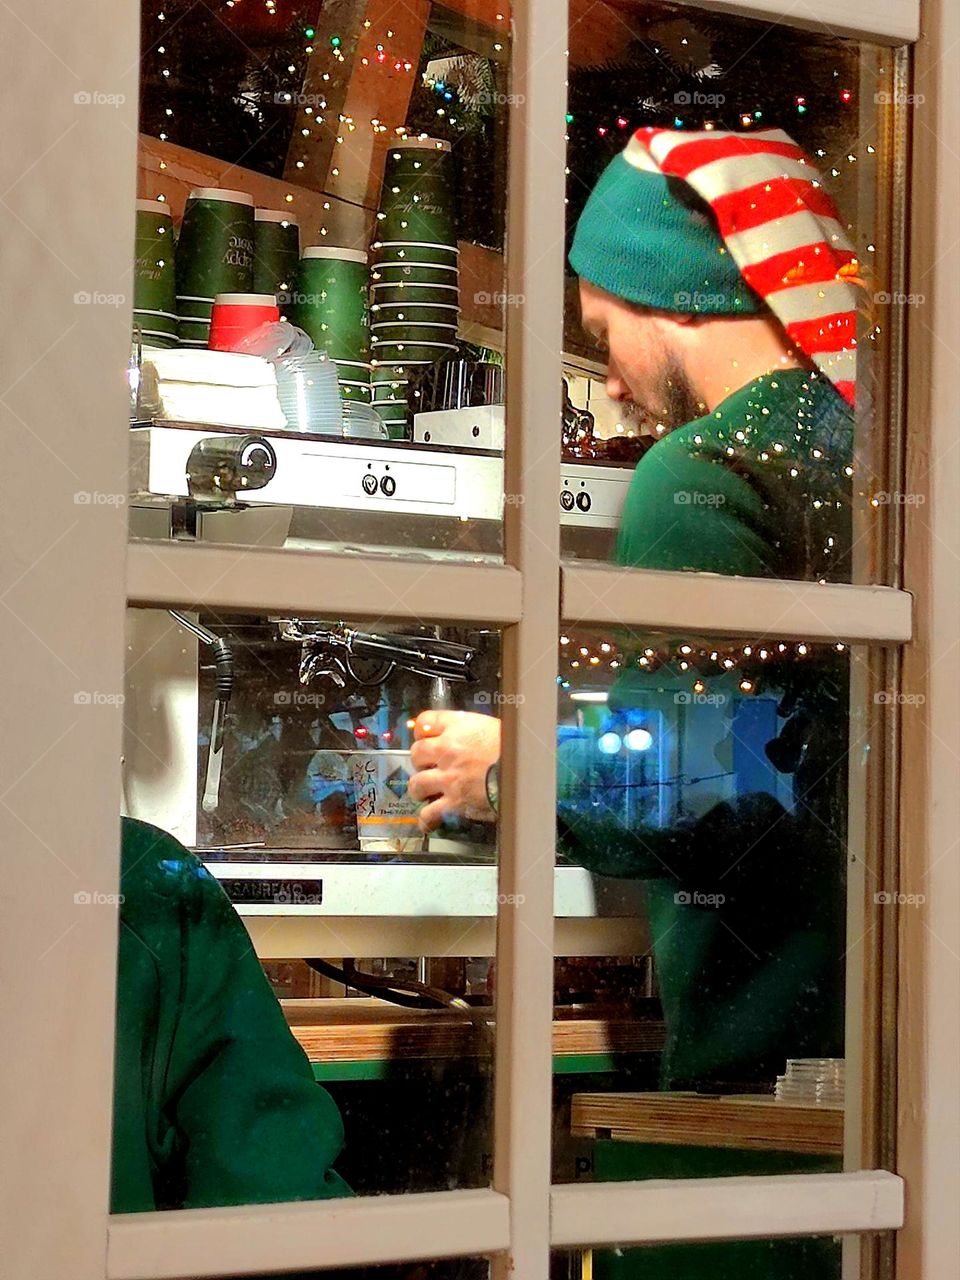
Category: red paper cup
[235,315]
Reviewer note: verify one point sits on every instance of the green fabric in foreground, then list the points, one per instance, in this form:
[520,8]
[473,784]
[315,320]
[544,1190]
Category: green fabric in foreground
[214,1101]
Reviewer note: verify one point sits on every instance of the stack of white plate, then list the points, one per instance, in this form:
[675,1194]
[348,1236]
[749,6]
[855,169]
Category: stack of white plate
[813,1080]
[310,394]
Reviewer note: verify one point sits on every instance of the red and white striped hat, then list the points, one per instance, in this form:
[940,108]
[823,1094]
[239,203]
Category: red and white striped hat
[780,227]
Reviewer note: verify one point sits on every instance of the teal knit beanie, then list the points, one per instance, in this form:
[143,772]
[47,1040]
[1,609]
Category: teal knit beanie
[650,239]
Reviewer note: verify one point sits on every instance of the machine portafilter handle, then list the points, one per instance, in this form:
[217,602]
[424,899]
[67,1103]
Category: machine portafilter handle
[223,468]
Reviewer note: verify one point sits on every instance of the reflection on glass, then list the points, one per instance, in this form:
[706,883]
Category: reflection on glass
[794,1258]
[445,1269]
[267,767]
[727,317]
[714,773]
[318,281]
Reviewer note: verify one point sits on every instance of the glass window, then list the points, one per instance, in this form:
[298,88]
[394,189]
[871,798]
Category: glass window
[729,302]
[726,781]
[809,1257]
[323,193]
[306,949]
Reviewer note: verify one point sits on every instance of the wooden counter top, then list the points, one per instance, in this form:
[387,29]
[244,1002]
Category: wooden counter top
[757,1122]
[360,1030]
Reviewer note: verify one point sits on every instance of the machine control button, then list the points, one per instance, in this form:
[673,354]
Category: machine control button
[388,486]
[370,483]
[584,501]
[566,499]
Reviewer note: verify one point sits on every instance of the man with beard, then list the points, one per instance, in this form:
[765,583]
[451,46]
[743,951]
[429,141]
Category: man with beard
[715,273]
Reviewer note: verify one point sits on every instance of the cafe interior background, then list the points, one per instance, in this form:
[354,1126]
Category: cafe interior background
[319,305]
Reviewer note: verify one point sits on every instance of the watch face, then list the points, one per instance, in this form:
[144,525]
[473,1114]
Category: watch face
[493,787]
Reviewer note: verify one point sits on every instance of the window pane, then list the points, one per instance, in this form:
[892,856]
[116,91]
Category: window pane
[341,172]
[722,789]
[794,1258]
[729,295]
[273,851]
[445,1269]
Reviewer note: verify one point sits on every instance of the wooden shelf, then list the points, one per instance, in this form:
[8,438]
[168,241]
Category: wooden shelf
[752,1122]
[362,1030]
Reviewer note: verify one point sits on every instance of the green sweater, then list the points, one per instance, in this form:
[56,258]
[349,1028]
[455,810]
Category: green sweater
[759,488]
[214,1101]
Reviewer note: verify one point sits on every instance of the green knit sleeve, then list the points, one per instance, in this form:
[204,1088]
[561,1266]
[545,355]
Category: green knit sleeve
[256,1126]
[606,847]
[689,507]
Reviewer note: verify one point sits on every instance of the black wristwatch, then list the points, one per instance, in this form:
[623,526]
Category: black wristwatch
[493,786]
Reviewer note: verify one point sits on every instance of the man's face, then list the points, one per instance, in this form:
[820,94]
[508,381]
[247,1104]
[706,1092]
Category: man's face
[645,360]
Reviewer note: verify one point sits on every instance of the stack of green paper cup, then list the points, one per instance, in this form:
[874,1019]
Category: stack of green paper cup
[414,284]
[154,279]
[276,255]
[214,255]
[330,304]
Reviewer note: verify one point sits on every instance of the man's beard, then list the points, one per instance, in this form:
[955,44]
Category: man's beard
[679,405]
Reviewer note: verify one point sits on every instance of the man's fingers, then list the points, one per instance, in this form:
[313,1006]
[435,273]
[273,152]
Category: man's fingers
[426,784]
[431,815]
[423,754]
[429,723]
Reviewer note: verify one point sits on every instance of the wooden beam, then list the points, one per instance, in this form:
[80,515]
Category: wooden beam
[172,171]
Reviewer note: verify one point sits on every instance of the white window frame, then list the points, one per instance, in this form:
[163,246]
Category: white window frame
[66,208]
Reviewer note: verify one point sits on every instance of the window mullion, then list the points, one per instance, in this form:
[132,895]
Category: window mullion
[534,311]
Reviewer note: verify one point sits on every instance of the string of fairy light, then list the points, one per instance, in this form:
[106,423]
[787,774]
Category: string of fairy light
[580,657]
[378,51]
[382,55]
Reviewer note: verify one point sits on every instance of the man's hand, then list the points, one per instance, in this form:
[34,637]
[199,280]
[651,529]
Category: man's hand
[452,753]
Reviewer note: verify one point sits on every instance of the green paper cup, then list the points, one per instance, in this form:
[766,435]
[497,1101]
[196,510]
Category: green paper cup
[353,370]
[401,330]
[214,254]
[276,252]
[413,273]
[145,327]
[358,394]
[154,271]
[415,313]
[354,380]
[413,352]
[330,302]
[390,293]
[417,200]
[443,255]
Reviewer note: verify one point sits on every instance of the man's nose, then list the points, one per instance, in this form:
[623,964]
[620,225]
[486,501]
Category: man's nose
[616,387]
